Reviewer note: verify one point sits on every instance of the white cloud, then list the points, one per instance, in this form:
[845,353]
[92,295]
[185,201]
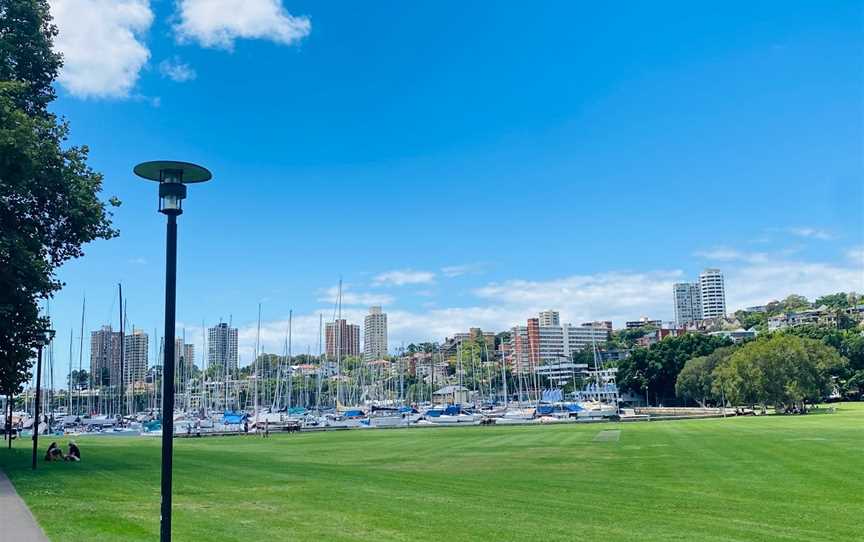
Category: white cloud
[856,254]
[725,254]
[349,297]
[177,70]
[810,233]
[102,45]
[218,23]
[464,269]
[274,335]
[608,296]
[759,284]
[401,277]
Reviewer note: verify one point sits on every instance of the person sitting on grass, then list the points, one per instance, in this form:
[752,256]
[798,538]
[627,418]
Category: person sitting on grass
[54,453]
[74,452]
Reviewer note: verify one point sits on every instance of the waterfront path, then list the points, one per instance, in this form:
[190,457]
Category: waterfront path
[16,521]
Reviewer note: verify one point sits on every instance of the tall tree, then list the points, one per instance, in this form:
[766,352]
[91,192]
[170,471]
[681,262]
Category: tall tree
[696,379]
[783,371]
[49,197]
[656,368]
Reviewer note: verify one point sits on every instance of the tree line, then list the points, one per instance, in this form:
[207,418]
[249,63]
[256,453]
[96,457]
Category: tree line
[784,369]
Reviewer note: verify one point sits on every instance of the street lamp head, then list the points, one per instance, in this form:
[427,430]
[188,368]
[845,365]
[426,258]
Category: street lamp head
[172,177]
[45,337]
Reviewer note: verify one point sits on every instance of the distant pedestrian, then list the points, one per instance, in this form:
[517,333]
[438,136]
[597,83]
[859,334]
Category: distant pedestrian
[266,428]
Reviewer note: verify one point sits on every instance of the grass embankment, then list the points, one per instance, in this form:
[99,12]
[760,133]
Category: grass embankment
[748,479]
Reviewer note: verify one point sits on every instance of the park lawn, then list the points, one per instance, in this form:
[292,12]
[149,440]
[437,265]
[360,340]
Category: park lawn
[748,479]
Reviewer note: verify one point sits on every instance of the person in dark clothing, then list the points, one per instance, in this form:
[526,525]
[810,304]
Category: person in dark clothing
[74,452]
[54,453]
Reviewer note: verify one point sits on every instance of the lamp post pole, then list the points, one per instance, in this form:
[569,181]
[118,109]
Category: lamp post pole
[172,177]
[45,337]
[168,376]
[37,402]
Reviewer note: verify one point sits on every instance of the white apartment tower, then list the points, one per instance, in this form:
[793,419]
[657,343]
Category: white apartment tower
[221,346]
[550,318]
[712,291]
[375,335]
[688,303]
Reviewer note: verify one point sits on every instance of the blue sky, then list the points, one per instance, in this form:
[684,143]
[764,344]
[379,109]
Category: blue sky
[464,163]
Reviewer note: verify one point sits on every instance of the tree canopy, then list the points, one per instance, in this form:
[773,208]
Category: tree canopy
[781,370]
[696,379]
[49,196]
[656,368]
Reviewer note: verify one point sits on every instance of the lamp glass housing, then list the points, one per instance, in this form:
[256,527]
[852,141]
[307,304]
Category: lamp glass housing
[46,336]
[171,196]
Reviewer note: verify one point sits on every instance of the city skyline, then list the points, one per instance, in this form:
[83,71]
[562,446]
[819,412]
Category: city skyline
[627,151]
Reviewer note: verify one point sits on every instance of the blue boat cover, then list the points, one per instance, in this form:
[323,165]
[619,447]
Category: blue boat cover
[573,407]
[233,418]
[434,412]
[353,414]
[153,425]
[453,410]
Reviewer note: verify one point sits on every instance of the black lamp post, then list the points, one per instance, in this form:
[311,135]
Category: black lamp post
[44,339]
[172,178]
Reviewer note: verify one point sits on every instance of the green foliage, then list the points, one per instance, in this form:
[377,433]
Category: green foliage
[427,348]
[855,384]
[656,368]
[626,338]
[782,370]
[750,320]
[696,379]
[49,205]
[849,343]
[79,379]
[26,55]
[840,300]
[584,356]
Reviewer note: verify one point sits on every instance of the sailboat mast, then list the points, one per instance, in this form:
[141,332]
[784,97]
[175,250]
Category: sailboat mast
[204,363]
[81,356]
[503,376]
[69,393]
[320,361]
[122,351]
[290,379]
[339,344]
[257,345]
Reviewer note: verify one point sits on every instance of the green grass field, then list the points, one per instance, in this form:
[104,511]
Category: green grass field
[748,479]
